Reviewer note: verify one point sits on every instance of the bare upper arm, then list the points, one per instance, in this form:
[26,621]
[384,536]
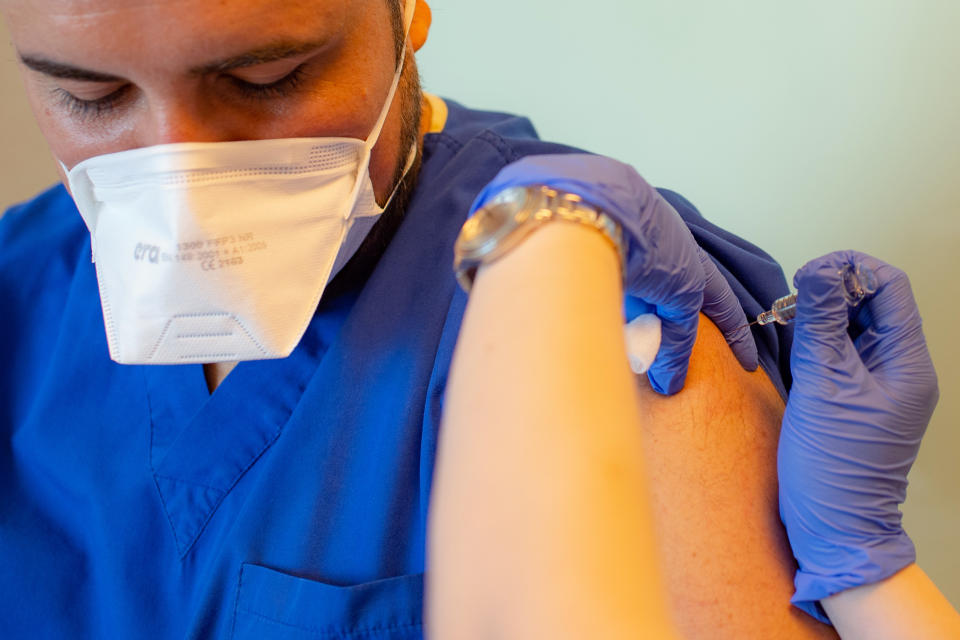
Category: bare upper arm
[711,453]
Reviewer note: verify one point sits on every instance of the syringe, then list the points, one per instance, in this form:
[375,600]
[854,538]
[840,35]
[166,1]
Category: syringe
[783,311]
[858,283]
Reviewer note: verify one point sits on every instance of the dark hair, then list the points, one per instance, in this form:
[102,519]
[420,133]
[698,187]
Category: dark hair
[396,19]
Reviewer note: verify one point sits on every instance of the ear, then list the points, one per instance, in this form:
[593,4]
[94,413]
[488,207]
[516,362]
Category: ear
[420,27]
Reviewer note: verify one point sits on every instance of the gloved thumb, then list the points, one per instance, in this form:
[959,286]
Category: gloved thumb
[823,314]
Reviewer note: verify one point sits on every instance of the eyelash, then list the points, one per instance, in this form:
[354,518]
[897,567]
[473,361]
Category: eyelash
[278,89]
[96,108]
[85,108]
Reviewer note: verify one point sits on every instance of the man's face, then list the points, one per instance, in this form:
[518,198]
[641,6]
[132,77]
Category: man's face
[110,75]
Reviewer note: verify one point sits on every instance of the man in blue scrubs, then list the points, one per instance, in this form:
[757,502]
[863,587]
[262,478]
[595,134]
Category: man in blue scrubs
[287,499]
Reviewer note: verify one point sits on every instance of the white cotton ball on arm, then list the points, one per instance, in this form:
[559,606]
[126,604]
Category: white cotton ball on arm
[643,341]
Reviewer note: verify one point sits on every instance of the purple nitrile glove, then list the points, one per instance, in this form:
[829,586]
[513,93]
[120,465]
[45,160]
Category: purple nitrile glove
[863,392]
[665,266]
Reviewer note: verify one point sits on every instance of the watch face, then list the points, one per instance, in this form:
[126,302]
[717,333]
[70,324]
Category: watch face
[494,220]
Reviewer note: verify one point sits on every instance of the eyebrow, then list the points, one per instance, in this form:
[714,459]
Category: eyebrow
[261,55]
[66,71]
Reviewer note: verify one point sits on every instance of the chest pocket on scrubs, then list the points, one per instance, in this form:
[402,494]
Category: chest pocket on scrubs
[275,605]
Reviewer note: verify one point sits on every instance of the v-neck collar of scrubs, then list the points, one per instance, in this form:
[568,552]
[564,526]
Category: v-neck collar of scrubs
[201,444]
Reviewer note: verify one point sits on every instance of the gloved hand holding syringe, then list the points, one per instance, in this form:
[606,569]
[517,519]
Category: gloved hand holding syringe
[858,282]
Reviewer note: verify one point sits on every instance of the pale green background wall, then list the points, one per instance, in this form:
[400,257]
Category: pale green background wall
[804,127]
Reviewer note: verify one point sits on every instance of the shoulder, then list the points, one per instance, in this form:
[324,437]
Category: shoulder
[474,145]
[711,456]
[506,136]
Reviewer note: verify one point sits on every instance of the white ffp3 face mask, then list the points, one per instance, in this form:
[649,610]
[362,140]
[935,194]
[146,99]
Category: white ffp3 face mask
[219,252]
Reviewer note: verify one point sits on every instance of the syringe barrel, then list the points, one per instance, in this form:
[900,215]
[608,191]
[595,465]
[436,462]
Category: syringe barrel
[785,309]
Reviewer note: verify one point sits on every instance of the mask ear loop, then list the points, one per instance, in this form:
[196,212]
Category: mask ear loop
[406,169]
[371,141]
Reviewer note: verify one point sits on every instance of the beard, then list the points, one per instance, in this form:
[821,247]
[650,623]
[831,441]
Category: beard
[361,265]
[411,112]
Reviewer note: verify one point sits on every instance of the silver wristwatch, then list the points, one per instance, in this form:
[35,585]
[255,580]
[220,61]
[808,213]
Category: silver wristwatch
[512,215]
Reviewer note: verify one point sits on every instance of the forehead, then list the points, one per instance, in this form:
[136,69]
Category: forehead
[108,31]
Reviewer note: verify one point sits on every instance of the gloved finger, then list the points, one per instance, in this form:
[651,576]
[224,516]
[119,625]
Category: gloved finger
[822,311]
[893,348]
[823,359]
[721,305]
[665,270]
[633,307]
[679,332]
[893,309]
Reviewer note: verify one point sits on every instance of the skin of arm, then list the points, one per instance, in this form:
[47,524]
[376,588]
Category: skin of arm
[711,456]
[547,475]
[540,523]
[905,605]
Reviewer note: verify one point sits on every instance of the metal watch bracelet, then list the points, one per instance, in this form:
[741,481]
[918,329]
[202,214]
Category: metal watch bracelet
[479,244]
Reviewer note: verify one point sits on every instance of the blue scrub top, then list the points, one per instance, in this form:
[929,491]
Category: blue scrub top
[292,502]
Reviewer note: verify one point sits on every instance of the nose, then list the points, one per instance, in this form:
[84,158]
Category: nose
[173,122]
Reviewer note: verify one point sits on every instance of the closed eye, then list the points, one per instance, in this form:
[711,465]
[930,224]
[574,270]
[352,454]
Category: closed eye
[277,88]
[97,104]
[269,73]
